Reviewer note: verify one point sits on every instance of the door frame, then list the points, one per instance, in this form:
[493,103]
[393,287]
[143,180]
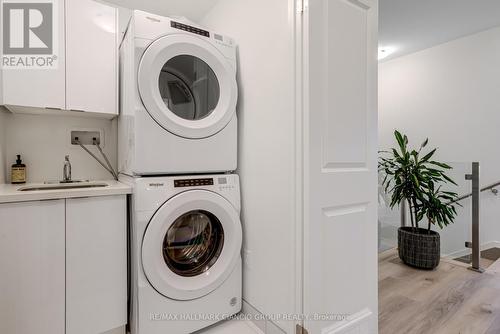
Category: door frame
[299,21]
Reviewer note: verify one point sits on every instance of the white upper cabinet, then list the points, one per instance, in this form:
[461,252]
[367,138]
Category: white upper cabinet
[86,75]
[91,57]
[28,86]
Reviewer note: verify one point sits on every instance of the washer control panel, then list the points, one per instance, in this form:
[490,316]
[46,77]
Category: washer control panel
[181,183]
[191,29]
[225,183]
[151,192]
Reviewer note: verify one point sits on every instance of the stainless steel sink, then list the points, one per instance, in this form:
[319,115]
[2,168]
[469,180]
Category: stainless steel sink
[63,186]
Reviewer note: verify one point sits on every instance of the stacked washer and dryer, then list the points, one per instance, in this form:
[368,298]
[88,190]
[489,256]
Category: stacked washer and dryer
[178,150]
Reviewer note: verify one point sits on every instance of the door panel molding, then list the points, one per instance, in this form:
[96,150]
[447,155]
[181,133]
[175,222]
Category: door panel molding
[344,140]
[360,4]
[344,167]
[343,210]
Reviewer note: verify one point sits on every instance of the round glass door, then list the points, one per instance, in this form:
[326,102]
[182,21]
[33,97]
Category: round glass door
[187,86]
[193,243]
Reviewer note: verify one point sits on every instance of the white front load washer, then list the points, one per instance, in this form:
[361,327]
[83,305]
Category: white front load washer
[185,248]
[178,96]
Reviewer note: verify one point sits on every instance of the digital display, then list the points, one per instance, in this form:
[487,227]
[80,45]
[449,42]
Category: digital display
[191,29]
[193,182]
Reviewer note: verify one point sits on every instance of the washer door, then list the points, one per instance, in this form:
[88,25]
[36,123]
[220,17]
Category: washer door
[191,245]
[187,86]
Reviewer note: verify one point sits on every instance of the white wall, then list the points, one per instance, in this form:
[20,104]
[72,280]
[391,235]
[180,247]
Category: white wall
[262,30]
[451,94]
[192,9]
[43,141]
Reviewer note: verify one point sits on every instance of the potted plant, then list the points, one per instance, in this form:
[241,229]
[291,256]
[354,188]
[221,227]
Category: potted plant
[410,175]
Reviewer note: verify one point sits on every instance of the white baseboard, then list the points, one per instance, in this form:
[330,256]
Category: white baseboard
[361,322]
[258,319]
[118,330]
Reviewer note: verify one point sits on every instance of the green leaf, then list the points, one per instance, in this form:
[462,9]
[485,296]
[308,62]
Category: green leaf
[401,141]
[448,179]
[428,155]
[440,164]
[424,144]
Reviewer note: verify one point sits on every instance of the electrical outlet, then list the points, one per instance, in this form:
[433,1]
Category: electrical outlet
[85,137]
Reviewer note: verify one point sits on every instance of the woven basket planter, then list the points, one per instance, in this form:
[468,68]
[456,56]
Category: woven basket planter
[419,248]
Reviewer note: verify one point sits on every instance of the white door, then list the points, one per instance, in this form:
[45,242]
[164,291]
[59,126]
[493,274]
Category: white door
[191,245]
[96,264]
[32,267]
[91,57]
[340,133]
[187,86]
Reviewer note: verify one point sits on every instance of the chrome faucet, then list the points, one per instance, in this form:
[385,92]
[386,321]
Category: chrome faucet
[67,170]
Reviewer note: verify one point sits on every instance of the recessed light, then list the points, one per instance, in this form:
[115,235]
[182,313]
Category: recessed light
[385,51]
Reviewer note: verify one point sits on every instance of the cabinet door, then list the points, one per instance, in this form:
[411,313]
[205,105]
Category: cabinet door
[91,57]
[96,264]
[32,267]
[40,88]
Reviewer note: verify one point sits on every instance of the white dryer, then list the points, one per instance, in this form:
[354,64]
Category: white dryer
[178,98]
[185,252]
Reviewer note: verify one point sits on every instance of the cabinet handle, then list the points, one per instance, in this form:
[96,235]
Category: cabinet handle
[53,108]
[77,110]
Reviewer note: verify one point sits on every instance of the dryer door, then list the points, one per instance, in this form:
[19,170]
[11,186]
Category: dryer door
[191,245]
[187,86]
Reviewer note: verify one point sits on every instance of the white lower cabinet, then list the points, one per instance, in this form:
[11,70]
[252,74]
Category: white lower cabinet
[63,266]
[32,268]
[96,264]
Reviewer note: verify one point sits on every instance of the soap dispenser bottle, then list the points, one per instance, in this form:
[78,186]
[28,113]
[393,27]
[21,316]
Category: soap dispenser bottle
[18,172]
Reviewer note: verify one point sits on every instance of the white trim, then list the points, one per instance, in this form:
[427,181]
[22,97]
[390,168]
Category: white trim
[303,65]
[296,11]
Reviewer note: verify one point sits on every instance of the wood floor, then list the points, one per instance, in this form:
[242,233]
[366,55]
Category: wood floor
[448,300]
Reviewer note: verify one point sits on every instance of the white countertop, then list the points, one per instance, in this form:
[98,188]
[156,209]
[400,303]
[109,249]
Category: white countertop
[10,193]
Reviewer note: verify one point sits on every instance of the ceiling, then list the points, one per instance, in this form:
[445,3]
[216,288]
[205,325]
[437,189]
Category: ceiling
[192,9]
[408,26]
